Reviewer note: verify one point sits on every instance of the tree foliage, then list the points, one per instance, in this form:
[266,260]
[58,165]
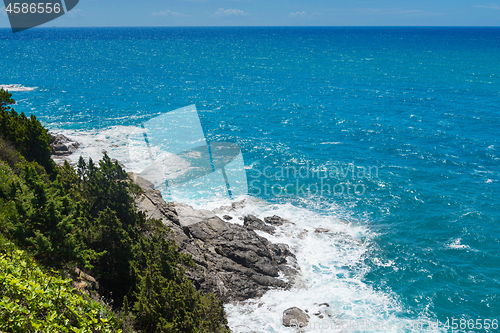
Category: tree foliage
[28,136]
[85,217]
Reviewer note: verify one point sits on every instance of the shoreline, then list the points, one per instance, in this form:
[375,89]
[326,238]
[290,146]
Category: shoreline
[233,262]
[323,246]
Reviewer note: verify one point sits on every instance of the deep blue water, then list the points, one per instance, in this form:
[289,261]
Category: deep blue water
[419,107]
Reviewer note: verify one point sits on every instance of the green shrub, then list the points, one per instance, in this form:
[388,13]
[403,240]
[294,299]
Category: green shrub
[39,217]
[33,300]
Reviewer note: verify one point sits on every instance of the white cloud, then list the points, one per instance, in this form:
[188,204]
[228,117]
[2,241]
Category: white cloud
[229,12]
[75,13]
[490,6]
[389,10]
[396,11]
[298,14]
[169,13]
[302,14]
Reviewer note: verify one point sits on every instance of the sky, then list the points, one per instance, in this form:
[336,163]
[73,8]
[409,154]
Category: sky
[108,13]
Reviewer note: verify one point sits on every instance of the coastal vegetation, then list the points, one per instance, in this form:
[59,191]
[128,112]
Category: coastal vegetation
[55,219]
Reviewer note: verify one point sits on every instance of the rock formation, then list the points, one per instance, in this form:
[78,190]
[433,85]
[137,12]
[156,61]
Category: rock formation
[62,145]
[253,223]
[234,262]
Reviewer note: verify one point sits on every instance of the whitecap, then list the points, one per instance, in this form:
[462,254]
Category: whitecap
[16,87]
[456,244]
[119,142]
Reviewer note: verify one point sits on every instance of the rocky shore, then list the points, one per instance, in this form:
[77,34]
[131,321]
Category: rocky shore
[62,145]
[234,262]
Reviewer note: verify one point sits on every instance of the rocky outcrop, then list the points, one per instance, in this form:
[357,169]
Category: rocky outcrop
[276,220]
[295,317]
[62,146]
[233,261]
[253,223]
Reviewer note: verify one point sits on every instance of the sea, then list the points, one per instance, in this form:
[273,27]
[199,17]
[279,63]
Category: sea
[380,144]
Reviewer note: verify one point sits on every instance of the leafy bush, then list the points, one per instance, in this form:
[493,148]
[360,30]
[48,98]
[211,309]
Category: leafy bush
[33,300]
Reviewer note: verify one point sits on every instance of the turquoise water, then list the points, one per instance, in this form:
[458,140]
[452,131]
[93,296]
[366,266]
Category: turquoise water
[415,112]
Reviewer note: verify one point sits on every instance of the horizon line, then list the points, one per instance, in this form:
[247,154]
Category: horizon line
[272,26]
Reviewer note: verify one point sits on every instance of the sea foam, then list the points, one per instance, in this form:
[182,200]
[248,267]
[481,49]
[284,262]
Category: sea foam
[330,251]
[16,87]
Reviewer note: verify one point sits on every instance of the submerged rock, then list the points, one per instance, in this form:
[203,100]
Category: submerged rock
[303,234]
[295,317]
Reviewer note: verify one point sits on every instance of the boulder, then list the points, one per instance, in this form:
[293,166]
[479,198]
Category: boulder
[295,317]
[253,223]
[186,215]
[62,145]
[275,220]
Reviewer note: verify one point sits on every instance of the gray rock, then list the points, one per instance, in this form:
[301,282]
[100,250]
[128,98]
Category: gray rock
[238,204]
[282,251]
[233,262]
[187,215]
[227,217]
[62,145]
[295,317]
[234,206]
[275,220]
[253,223]
[321,230]
[85,283]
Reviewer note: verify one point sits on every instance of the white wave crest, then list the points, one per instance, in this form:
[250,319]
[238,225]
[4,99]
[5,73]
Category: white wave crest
[115,141]
[16,87]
